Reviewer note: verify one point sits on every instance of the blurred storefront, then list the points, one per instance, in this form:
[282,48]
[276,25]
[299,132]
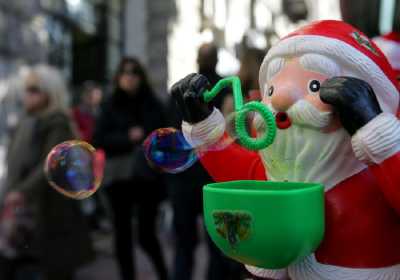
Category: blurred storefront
[86,38]
[235,25]
[373,17]
[148,26]
[83,37]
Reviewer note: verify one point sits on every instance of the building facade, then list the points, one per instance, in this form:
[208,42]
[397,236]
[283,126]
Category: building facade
[82,37]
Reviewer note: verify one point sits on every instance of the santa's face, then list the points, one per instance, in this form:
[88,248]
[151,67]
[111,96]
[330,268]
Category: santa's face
[310,144]
[295,89]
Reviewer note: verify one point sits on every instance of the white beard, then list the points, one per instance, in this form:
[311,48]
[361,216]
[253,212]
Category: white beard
[303,153]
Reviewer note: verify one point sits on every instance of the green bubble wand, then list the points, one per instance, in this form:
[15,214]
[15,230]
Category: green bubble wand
[242,110]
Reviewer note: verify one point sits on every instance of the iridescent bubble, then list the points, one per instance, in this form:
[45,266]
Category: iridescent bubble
[75,169]
[167,150]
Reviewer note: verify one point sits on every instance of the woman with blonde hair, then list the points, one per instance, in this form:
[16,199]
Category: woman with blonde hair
[58,241]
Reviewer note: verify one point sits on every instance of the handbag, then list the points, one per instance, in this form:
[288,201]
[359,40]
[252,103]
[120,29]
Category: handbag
[118,168]
[141,167]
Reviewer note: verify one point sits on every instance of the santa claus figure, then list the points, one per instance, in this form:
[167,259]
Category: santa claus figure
[334,96]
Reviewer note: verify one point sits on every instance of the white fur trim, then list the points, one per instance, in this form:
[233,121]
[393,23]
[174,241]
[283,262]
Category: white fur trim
[391,49]
[353,63]
[377,140]
[206,132]
[267,273]
[310,269]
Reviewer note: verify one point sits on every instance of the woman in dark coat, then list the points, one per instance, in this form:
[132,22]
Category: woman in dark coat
[131,113]
[59,241]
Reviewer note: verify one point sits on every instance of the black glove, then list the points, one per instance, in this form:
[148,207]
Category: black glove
[188,95]
[353,99]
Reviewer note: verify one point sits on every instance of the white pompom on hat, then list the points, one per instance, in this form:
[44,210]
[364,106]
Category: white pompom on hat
[390,46]
[350,48]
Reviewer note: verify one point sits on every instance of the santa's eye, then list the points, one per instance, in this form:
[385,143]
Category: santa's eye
[270,90]
[314,86]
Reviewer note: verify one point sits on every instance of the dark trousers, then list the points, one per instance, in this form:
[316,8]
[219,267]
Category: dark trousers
[123,196]
[30,270]
[186,195]
[58,275]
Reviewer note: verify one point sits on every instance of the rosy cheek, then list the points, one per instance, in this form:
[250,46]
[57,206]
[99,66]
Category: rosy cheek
[317,103]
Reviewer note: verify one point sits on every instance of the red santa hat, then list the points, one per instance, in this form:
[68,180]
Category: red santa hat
[347,46]
[390,46]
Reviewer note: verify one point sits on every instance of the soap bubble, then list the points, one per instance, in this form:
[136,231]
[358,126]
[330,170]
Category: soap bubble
[167,150]
[75,169]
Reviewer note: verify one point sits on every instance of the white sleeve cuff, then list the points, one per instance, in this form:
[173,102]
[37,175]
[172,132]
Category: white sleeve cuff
[206,132]
[377,140]
[267,273]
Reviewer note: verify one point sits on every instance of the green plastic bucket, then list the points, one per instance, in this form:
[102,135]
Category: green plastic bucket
[265,224]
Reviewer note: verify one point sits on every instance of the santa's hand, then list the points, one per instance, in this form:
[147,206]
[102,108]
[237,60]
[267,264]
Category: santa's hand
[188,95]
[353,99]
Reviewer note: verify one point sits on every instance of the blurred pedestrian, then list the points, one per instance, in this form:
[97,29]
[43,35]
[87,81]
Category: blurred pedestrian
[186,194]
[131,112]
[84,115]
[86,112]
[207,60]
[55,240]
[250,63]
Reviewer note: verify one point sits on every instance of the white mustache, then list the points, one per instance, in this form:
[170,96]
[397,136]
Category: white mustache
[304,113]
[301,113]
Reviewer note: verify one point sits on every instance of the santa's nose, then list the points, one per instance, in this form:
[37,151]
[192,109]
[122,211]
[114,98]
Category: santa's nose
[284,96]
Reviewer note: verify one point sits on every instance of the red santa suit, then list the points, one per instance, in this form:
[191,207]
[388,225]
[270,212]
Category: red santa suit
[361,173]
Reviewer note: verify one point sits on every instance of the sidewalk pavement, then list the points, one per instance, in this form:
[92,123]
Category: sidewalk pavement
[105,267]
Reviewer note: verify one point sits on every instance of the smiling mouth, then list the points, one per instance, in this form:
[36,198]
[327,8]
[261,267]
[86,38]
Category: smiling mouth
[282,120]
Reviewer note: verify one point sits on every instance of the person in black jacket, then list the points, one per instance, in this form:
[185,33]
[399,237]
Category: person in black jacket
[186,195]
[131,112]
